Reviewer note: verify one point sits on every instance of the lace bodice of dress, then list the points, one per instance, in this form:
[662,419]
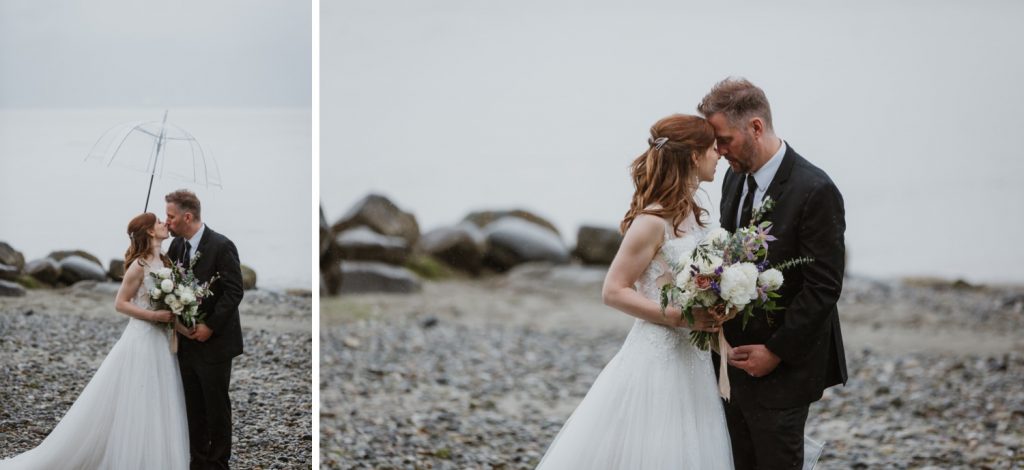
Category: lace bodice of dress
[672,248]
[141,298]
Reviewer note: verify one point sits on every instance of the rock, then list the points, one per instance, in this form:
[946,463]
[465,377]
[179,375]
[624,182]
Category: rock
[11,257]
[75,268]
[382,216]
[59,256]
[363,277]
[484,218]
[8,272]
[45,270]
[29,282]
[299,292]
[326,240]
[330,279]
[363,244]
[248,278]
[462,246]
[11,289]
[513,241]
[597,245]
[116,269]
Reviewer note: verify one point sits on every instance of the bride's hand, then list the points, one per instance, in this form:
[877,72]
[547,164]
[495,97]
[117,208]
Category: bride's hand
[703,320]
[162,316]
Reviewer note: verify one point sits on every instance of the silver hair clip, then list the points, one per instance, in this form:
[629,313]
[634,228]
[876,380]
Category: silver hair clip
[659,142]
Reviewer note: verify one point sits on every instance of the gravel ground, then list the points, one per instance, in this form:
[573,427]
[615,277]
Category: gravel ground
[47,357]
[414,389]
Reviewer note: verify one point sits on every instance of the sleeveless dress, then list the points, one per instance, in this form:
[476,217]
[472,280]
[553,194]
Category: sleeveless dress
[656,404]
[130,416]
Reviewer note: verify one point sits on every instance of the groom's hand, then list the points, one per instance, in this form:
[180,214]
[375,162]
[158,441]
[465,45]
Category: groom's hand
[756,359]
[202,333]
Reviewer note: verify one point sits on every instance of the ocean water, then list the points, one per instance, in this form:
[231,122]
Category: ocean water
[912,108]
[50,199]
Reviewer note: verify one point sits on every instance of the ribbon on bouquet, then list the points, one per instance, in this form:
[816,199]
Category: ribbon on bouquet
[174,340]
[724,350]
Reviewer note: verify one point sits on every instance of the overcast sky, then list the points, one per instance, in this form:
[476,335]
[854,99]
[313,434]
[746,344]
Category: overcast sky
[126,53]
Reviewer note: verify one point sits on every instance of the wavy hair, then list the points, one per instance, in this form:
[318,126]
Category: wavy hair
[660,175]
[140,241]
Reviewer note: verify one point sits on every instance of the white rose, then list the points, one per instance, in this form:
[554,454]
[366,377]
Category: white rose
[716,235]
[170,299]
[187,298]
[167,285]
[176,307]
[156,293]
[163,273]
[771,279]
[683,277]
[710,265]
[739,284]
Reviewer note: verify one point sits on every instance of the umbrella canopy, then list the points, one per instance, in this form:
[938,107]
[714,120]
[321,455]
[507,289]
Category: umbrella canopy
[159,149]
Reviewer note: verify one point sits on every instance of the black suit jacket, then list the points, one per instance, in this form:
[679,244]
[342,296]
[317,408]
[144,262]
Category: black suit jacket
[809,220]
[216,255]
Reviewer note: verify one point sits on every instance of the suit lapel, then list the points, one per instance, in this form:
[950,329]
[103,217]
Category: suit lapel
[778,185]
[732,196]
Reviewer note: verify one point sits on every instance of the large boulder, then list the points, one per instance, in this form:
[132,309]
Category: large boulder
[116,269]
[383,216]
[325,236]
[45,270]
[363,277]
[363,244]
[11,289]
[9,273]
[484,218]
[461,246]
[75,268]
[512,241]
[330,279]
[597,245]
[59,256]
[11,257]
[248,278]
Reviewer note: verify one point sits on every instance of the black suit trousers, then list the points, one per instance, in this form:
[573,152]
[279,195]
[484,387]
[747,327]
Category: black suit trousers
[208,407]
[766,438]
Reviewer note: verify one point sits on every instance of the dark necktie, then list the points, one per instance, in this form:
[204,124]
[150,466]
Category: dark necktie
[188,254]
[748,202]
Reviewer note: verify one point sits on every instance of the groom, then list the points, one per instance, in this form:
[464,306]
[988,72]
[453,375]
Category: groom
[782,362]
[205,355]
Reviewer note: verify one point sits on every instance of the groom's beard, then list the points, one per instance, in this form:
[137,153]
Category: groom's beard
[744,157]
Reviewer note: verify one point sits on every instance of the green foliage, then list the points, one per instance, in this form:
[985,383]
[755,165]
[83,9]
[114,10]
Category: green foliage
[429,268]
[29,282]
[794,263]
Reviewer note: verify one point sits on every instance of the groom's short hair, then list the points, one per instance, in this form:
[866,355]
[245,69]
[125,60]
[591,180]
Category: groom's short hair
[185,200]
[738,100]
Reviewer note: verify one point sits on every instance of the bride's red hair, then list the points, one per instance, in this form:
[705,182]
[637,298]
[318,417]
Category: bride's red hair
[664,174]
[141,242]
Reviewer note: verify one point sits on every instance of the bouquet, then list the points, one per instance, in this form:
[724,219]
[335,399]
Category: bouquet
[728,274]
[177,289]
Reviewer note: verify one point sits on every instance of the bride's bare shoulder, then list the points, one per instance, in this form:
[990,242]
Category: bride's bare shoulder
[646,226]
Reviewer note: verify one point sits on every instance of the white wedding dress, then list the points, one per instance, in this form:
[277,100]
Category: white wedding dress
[656,404]
[130,416]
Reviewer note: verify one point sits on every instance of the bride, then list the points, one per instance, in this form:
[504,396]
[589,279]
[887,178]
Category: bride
[131,415]
[656,403]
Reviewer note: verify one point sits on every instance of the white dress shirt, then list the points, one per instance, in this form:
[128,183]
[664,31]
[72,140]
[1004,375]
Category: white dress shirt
[763,176]
[196,237]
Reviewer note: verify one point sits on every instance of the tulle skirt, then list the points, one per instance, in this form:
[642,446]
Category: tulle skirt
[654,406]
[130,416]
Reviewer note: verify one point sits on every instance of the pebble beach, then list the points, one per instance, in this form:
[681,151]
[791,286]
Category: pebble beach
[53,340]
[482,373]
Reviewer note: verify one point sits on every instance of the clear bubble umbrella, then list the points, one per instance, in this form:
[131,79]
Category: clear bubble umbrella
[159,149]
